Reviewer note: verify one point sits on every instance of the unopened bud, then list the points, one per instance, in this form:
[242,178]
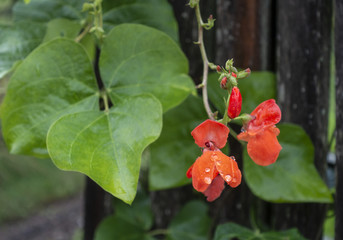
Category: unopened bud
[234,74]
[223,83]
[243,74]
[219,69]
[235,103]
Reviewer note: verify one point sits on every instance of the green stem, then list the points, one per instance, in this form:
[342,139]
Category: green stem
[159,232]
[205,63]
[83,33]
[226,118]
[105,99]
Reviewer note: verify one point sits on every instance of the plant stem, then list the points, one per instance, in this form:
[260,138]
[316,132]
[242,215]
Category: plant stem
[159,232]
[83,33]
[105,99]
[205,63]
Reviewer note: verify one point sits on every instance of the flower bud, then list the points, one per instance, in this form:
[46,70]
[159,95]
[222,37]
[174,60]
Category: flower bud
[245,73]
[235,103]
[219,69]
[223,83]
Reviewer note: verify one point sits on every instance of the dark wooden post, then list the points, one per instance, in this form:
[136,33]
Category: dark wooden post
[303,56]
[339,118]
[245,32]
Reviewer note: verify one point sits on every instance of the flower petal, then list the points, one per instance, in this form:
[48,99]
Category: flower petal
[215,189]
[204,171]
[264,148]
[228,169]
[266,114]
[211,131]
[189,171]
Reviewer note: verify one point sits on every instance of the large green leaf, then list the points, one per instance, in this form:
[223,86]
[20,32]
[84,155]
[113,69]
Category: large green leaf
[191,223]
[114,227]
[153,13]
[229,231]
[138,59]
[107,147]
[16,42]
[129,222]
[175,151]
[293,177]
[258,87]
[55,79]
[139,213]
[45,10]
[61,27]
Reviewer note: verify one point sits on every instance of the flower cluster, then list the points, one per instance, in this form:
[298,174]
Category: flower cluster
[260,133]
[213,168]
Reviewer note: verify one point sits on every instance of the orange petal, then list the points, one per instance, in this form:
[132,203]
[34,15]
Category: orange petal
[211,131]
[215,189]
[243,136]
[266,114]
[204,171]
[264,148]
[228,169]
[189,171]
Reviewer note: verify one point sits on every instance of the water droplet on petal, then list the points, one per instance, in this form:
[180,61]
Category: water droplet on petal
[227,178]
[234,180]
[207,180]
[214,157]
[218,163]
[233,158]
[207,170]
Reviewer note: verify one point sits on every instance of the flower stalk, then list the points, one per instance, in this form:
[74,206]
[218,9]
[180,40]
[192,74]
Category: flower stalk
[206,63]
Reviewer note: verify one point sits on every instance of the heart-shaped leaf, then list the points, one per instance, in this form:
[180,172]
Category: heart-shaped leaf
[45,10]
[192,222]
[293,177]
[137,59]
[234,231]
[175,151]
[107,146]
[16,42]
[55,79]
[154,13]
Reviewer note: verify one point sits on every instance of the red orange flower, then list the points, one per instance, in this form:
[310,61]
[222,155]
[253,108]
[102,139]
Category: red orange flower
[261,133]
[213,168]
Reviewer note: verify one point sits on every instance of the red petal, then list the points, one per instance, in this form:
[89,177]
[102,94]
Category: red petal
[211,131]
[264,148]
[228,169]
[243,136]
[215,189]
[235,103]
[266,114]
[189,171]
[204,171]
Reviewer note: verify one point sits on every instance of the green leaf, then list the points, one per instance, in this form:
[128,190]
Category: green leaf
[16,42]
[114,227]
[175,151]
[293,177]
[107,147]
[191,223]
[45,10]
[229,231]
[139,213]
[138,59]
[258,87]
[55,79]
[154,13]
[60,27]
